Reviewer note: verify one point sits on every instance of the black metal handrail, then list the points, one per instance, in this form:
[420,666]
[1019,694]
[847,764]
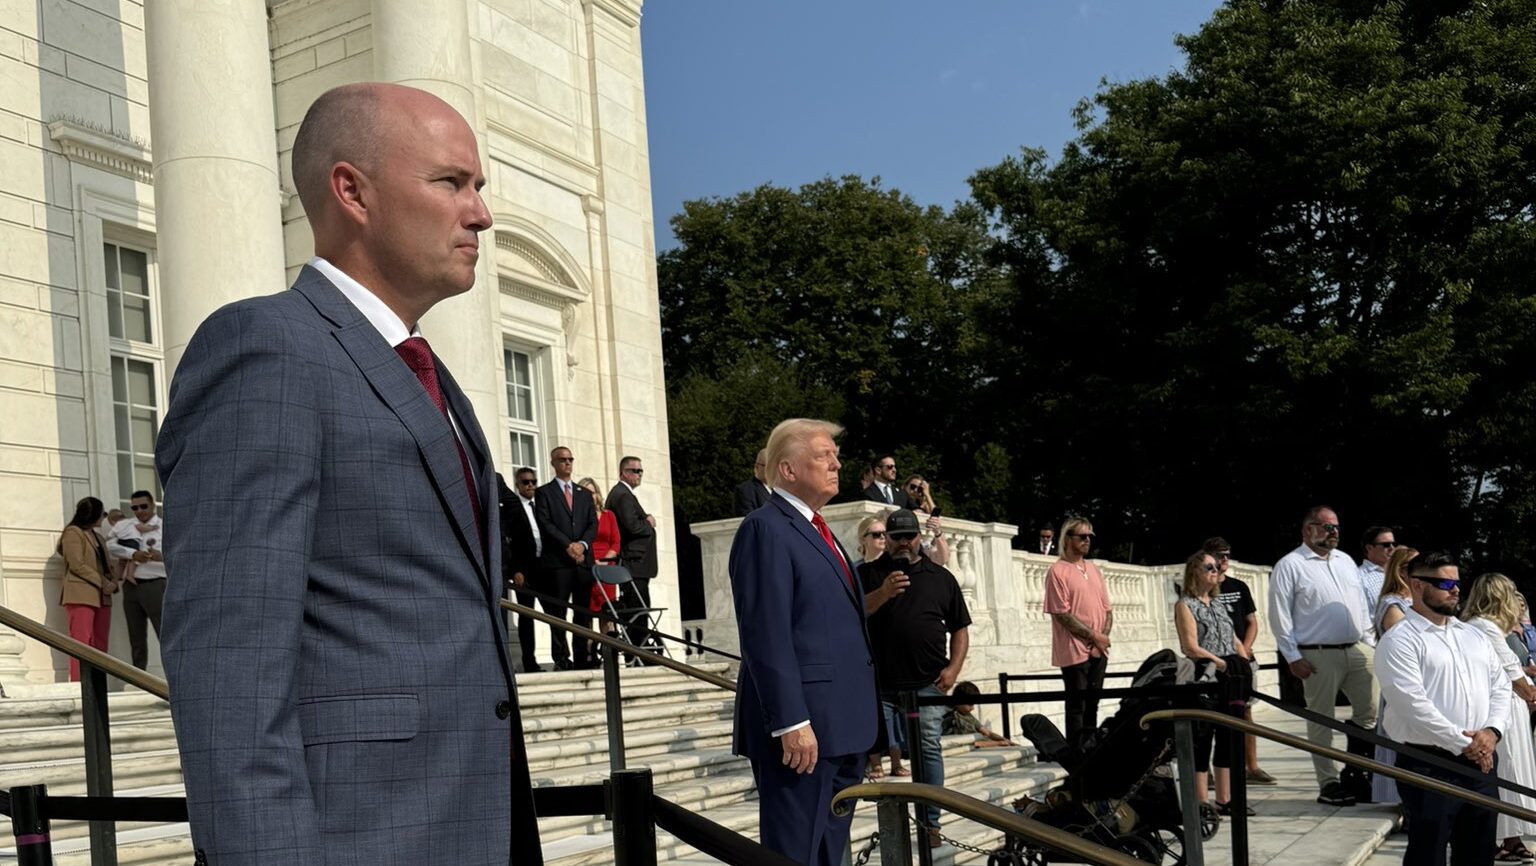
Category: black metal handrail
[984,813]
[548,601]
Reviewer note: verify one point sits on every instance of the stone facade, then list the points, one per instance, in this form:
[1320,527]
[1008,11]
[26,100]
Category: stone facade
[144,182]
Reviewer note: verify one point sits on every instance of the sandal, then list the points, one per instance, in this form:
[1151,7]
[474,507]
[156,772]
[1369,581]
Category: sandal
[901,772]
[1507,855]
[874,771]
[1226,809]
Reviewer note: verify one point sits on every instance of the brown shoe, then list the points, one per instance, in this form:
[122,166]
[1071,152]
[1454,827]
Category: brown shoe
[933,837]
[1259,777]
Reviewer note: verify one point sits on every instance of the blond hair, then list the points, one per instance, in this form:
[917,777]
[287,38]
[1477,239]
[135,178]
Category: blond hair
[1494,598]
[1395,579]
[788,439]
[1067,526]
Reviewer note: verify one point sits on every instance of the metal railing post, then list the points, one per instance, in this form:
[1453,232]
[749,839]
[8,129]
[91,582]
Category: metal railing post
[613,701]
[33,847]
[1235,696]
[910,711]
[895,834]
[98,759]
[634,821]
[1189,798]
[1002,689]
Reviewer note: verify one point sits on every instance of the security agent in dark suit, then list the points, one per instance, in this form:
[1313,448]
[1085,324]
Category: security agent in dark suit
[751,495]
[637,542]
[520,552]
[883,489]
[805,699]
[568,525]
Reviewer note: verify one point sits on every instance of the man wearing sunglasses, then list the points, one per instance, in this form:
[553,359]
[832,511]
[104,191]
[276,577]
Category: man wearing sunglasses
[522,546]
[1445,694]
[1376,547]
[1077,600]
[1317,610]
[883,488]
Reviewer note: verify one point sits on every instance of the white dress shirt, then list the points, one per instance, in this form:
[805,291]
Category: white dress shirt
[383,319]
[533,524]
[128,528]
[1371,578]
[887,491]
[1440,680]
[1313,600]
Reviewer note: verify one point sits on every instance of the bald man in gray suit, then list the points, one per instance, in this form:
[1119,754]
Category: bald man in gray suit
[340,682]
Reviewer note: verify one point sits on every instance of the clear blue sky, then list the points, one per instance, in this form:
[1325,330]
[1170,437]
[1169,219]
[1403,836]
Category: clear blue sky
[922,94]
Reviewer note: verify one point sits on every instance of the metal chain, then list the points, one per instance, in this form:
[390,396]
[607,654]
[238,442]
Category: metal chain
[863,858]
[986,852]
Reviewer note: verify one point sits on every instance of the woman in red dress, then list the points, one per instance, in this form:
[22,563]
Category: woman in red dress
[605,551]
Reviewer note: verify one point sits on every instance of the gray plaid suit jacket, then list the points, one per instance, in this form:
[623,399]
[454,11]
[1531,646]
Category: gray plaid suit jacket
[338,667]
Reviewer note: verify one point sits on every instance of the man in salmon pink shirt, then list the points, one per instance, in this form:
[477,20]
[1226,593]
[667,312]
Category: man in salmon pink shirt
[1078,602]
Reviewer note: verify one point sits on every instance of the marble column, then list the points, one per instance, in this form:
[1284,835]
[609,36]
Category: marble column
[425,44]
[218,228]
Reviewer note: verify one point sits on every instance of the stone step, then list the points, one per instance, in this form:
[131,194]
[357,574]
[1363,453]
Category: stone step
[57,742]
[66,776]
[27,712]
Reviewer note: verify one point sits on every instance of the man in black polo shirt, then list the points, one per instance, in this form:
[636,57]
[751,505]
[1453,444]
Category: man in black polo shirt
[1235,595]
[918,623]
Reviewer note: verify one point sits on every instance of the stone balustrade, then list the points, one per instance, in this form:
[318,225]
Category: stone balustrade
[1005,591]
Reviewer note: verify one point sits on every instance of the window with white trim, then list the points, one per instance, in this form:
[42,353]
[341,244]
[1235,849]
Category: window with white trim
[524,429]
[134,337]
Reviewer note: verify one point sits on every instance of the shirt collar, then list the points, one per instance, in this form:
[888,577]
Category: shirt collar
[627,484]
[1371,566]
[1308,553]
[527,500]
[1422,623]
[792,499]
[378,314]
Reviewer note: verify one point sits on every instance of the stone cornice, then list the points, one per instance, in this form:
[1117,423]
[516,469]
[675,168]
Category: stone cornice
[89,146]
[625,11]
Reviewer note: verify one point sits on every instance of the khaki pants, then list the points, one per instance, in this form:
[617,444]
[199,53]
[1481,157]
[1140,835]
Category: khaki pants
[1339,670]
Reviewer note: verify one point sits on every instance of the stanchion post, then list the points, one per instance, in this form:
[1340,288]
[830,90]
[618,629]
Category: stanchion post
[910,711]
[634,821]
[895,834]
[613,701]
[30,825]
[1234,697]
[98,759]
[1002,689]
[1189,798]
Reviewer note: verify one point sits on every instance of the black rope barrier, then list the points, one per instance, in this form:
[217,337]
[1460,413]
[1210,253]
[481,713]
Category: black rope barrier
[951,700]
[712,839]
[569,800]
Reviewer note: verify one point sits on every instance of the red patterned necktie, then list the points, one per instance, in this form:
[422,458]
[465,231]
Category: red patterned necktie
[826,535]
[418,356]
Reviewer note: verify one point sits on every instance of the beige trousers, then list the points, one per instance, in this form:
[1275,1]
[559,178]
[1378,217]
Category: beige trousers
[1339,670]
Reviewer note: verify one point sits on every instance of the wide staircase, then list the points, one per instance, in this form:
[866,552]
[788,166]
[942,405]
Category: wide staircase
[677,726]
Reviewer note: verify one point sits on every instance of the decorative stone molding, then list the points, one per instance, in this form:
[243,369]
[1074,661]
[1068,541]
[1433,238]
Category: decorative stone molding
[103,149]
[624,11]
[526,269]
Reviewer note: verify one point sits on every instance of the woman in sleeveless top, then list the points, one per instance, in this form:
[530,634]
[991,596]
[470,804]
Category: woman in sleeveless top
[1205,637]
[1493,607]
[1390,608]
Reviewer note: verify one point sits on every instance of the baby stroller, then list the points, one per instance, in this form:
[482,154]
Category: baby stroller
[1119,790]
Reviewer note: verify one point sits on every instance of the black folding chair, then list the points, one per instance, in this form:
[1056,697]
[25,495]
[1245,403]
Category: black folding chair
[635,619]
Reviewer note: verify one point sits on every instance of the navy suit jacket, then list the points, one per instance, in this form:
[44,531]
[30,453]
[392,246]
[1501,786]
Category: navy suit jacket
[804,642]
[559,525]
[338,666]
[750,496]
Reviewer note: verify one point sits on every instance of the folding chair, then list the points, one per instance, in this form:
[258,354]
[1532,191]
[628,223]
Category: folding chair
[634,619]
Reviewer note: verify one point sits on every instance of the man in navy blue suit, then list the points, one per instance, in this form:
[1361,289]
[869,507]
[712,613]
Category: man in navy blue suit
[806,706]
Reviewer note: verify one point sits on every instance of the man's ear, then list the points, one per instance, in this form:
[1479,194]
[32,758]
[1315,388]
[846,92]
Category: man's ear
[350,189]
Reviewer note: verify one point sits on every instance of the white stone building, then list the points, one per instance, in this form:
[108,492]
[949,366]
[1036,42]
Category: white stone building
[144,182]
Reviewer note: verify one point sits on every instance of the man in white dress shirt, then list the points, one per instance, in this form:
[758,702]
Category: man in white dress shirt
[1376,547]
[1317,610]
[1445,693]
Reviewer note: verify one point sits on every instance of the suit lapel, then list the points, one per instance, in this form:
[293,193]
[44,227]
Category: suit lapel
[402,392]
[809,533]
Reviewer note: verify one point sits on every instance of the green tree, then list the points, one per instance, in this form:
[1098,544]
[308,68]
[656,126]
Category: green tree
[1295,271]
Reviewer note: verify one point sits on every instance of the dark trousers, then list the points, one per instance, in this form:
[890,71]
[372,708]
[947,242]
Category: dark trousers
[581,614]
[1435,820]
[632,595]
[795,809]
[141,604]
[525,637]
[1083,713]
[556,584]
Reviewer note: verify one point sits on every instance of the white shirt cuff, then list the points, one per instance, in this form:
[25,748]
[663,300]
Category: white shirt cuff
[782,731]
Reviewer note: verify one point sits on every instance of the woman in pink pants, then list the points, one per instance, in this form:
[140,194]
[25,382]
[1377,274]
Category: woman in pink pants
[88,585]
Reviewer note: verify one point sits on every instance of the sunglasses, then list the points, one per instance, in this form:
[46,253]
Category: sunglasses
[141,507]
[1081,536]
[1328,528]
[522,481]
[1390,545]
[874,534]
[1437,583]
[1210,569]
[635,471]
[1225,554]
